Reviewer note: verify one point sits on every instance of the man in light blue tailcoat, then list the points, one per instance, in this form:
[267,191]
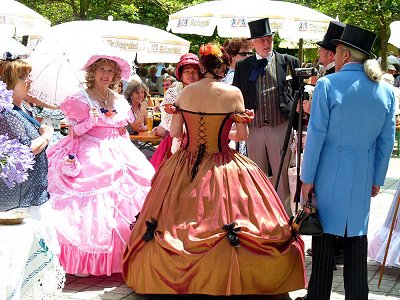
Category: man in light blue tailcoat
[349,142]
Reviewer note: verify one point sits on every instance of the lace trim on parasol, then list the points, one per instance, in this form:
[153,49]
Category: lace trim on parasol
[49,286]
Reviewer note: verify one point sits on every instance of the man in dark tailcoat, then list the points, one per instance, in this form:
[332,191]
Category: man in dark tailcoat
[267,85]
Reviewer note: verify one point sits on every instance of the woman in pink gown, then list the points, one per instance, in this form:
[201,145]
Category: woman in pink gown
[98,179]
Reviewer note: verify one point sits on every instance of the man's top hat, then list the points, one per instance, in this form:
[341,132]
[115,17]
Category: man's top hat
[334,31]
[357,38]
[259,28]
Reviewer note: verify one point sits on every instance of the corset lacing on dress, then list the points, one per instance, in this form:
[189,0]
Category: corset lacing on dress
[202,147]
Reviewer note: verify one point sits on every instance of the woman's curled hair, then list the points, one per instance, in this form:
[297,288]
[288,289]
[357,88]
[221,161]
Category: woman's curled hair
[211,57]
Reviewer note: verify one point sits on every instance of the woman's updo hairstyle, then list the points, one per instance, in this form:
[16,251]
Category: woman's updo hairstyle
[213,57]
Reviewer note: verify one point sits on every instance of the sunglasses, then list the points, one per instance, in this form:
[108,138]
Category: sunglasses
[245,53]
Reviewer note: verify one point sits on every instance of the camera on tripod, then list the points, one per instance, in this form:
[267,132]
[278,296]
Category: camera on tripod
[305,73]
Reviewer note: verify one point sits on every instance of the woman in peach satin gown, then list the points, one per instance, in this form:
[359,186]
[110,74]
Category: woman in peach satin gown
[212,222]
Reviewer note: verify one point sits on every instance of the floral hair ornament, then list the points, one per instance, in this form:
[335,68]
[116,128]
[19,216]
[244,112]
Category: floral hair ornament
[9,56]
[210,49]
[6,101]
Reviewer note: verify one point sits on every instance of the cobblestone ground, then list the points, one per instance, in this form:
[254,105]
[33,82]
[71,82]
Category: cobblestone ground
[113,287]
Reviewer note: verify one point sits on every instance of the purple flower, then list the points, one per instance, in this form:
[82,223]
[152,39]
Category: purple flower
[15,160]
[6,101]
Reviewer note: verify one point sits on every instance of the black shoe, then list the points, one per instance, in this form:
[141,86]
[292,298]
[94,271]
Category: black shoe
[302,298]
[309,252]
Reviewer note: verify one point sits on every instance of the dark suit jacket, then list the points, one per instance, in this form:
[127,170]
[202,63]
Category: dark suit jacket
[286,87]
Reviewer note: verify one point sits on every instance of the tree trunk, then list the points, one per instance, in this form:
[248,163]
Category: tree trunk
[384,41]
[301,51]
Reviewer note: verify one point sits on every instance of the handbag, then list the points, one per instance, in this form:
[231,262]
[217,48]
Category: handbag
[70,165]
[306,221]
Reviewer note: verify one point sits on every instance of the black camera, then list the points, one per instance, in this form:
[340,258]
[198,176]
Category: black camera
[305,72]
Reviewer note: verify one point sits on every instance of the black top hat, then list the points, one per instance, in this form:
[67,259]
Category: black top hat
[259,28]
[334,31]
[357,38]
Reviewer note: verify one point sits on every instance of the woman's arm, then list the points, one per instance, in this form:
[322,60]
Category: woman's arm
[86,125]
[176,129]
[137,124]
[32,100]
[41,142]
[242,131]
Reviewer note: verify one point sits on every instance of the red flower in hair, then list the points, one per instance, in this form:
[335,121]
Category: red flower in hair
[210,49]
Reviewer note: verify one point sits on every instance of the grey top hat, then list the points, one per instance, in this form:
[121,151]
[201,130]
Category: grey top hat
[260,28]
[334,31]
[357,38]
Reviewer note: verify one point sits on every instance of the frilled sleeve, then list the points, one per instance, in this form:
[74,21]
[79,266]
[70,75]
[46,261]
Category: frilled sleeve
[76,110]
[243,117]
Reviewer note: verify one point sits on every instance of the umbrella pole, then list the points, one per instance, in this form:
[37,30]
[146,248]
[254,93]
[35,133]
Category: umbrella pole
[388,242]
[80,84]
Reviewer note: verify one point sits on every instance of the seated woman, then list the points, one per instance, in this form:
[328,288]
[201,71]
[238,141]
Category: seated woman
[98,179]
[19,124]
[136,94]
[212,222]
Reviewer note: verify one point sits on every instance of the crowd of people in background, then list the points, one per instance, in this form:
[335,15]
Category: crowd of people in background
[174,224]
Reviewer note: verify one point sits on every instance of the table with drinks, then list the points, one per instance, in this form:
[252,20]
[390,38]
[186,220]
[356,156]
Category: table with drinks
[148,137]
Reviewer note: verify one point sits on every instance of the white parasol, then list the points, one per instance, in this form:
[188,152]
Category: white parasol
[57,64]
[230,17]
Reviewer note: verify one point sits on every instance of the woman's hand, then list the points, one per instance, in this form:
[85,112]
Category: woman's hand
[160,131]
[307,191]
[249,112]
[143,108]
[375,190]
[46,131]
[41,142]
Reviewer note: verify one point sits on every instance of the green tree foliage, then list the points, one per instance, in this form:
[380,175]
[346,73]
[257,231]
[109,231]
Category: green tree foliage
[375,15]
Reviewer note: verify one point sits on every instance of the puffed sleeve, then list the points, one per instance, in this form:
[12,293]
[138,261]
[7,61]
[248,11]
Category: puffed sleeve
[243,117]
[76,111]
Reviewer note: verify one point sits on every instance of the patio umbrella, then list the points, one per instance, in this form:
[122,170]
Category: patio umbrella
[18,19]
[230,17]
[57,64]
[8,44]
[145,43]
[395,34]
